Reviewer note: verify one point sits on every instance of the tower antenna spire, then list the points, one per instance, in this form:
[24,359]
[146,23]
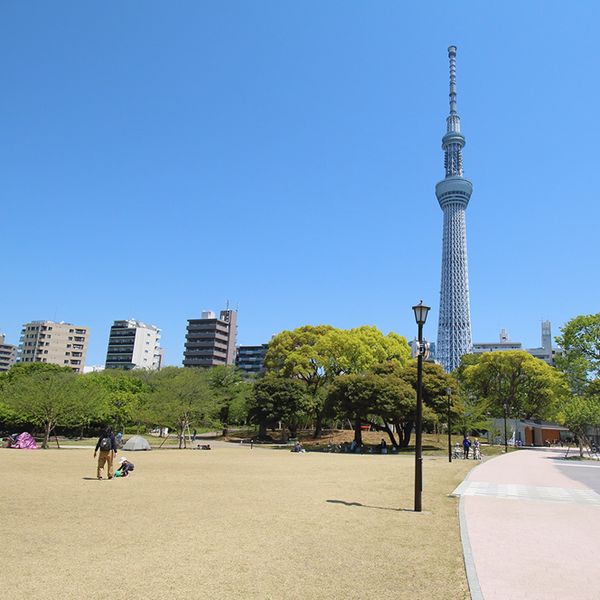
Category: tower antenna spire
[453,120]
[452,60]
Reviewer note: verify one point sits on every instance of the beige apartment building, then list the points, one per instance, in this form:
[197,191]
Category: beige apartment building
[62,344]
[8,354]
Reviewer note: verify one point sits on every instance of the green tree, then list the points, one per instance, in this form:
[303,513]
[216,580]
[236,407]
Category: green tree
[279,399]
[296,354]
[580,359]
[231,393]
[317,355]
[44,395]
[579,413]
[435,385]
[526,386]
[375,399]
[119,395]
[178,397]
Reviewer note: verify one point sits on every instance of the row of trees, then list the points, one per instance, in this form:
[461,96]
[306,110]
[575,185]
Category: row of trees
[317,375]
[368,378]
[50,396]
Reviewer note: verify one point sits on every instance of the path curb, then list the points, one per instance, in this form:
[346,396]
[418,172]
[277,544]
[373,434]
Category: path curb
[472,579]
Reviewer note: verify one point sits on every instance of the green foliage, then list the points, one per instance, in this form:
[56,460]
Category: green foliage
[316,355]
[436,382]
[346,351]
[118,396]
[580,360]
[469,416]
[44,397]
[231,394]
[178,397]
[379,399]
[529,387]
[581,412]
[276,399]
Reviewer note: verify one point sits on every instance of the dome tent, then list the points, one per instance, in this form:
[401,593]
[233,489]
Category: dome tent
[137,442]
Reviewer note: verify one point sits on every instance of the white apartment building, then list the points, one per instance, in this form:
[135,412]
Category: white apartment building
[545,352]
[133,345]
[8,354]
[61,344]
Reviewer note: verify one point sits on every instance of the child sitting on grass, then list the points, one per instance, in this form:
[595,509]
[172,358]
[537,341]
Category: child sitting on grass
[124,467]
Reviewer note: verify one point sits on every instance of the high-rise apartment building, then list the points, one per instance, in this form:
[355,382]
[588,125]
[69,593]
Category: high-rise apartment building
[8,354]
[61,343]
[210,341]
[133,345]
[251,359]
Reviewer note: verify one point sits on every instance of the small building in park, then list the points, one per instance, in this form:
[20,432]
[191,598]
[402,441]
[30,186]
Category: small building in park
[528,432]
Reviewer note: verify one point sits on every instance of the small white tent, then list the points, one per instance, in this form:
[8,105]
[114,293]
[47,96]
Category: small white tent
[137,442]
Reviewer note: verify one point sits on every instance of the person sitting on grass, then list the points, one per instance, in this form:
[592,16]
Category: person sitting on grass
[298,447]
[125,467]
[383,446]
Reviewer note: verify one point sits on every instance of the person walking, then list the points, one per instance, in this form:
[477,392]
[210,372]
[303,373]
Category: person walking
[107,445]
[466,446]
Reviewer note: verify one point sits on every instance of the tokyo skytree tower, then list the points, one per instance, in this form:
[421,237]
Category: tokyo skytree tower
[453,193]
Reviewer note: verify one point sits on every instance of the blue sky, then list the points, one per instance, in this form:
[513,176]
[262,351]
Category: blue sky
[160,158]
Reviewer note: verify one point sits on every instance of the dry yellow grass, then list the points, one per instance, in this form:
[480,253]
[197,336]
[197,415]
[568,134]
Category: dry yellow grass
[229,523]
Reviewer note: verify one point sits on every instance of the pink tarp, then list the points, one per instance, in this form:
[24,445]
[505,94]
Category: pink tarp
[25,442]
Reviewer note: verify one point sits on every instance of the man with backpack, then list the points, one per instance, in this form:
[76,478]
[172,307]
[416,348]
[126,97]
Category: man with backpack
[107,445]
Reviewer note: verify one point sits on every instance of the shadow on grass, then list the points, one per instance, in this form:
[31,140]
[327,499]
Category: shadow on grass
[369,506]
[90,478]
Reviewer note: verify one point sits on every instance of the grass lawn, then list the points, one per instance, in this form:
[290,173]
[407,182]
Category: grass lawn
[229,523]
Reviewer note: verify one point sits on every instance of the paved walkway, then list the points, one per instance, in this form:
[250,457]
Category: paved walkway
[531,527]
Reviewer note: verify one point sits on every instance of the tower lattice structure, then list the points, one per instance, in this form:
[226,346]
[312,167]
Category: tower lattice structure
[453,194]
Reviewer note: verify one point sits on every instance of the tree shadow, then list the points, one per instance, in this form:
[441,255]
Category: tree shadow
[369,506]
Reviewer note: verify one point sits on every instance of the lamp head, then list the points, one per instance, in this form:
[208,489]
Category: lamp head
[421,311]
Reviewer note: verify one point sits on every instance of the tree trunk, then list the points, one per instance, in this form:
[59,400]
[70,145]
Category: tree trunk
[262,430]
[318,425]
[47,429]
[400,433]
[406,433]
[284,435]
[358,431]
[391,435]
[294,431]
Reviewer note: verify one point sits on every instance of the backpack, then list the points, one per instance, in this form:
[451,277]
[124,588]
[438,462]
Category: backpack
[105,444]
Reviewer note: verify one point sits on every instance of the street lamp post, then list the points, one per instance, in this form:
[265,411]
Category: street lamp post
[420,311]
[449,394]
[505,406]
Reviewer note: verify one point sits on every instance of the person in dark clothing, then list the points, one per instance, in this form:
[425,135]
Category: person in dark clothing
[466,446]
[107,445]
[383,446]
[125,467]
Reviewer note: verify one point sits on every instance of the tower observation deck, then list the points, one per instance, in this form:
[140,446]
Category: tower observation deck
[453,194]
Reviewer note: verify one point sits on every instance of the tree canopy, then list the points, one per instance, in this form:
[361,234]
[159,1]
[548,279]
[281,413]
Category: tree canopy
[527,386]
[580,358]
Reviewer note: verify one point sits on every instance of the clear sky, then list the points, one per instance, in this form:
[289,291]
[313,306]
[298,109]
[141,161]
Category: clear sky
[161,158]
